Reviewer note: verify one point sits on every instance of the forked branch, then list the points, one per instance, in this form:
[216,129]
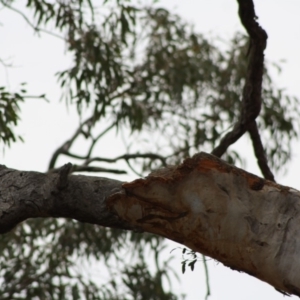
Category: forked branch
[251,100]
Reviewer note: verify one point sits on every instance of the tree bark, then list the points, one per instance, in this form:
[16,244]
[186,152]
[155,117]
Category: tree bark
[247,223]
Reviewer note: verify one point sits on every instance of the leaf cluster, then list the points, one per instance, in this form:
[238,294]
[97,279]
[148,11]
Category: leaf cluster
[150,72]
[9,114]
[50,258]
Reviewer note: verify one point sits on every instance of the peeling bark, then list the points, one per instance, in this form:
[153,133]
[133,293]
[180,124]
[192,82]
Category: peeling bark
[245,222]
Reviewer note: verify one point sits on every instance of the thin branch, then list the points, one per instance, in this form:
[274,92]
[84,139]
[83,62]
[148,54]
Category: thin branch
[64,148]
[251,101]
[35,28]
[95,140]
[82,168]
[206,277]
[260,152]
[43,97]
[4,64]
[69,154]
[128,157]
[133,170]
[77,168]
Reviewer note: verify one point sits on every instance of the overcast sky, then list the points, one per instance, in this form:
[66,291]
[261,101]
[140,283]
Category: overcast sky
[45,126]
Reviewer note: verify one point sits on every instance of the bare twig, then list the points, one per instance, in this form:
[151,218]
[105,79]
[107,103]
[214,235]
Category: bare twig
[6,65]
[127,157]
[35,28]
[82,168]
[206,277]
[260,152]
[64,148]
[77,168]
[95,140]
[133,170]
[43,97]
[251,101]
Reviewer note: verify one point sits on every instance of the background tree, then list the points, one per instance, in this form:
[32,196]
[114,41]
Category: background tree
[138,71]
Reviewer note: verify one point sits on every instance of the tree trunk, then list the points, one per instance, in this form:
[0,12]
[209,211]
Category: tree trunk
[247,223]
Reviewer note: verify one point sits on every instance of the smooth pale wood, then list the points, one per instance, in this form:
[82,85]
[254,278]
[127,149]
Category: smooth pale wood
[245,222]
[237,218]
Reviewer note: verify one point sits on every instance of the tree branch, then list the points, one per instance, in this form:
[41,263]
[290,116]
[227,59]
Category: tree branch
[35,28]
[127,157]
[65,147]
[95,140]
[35,194]
[251,101]
[247,223]
[260,152]
[83,168]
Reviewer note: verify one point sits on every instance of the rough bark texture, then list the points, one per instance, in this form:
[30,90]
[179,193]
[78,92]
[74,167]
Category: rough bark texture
[245,222]
[26,195]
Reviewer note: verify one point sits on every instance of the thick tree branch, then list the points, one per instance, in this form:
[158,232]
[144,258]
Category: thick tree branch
[251,101]
[31,194]
[245,222]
